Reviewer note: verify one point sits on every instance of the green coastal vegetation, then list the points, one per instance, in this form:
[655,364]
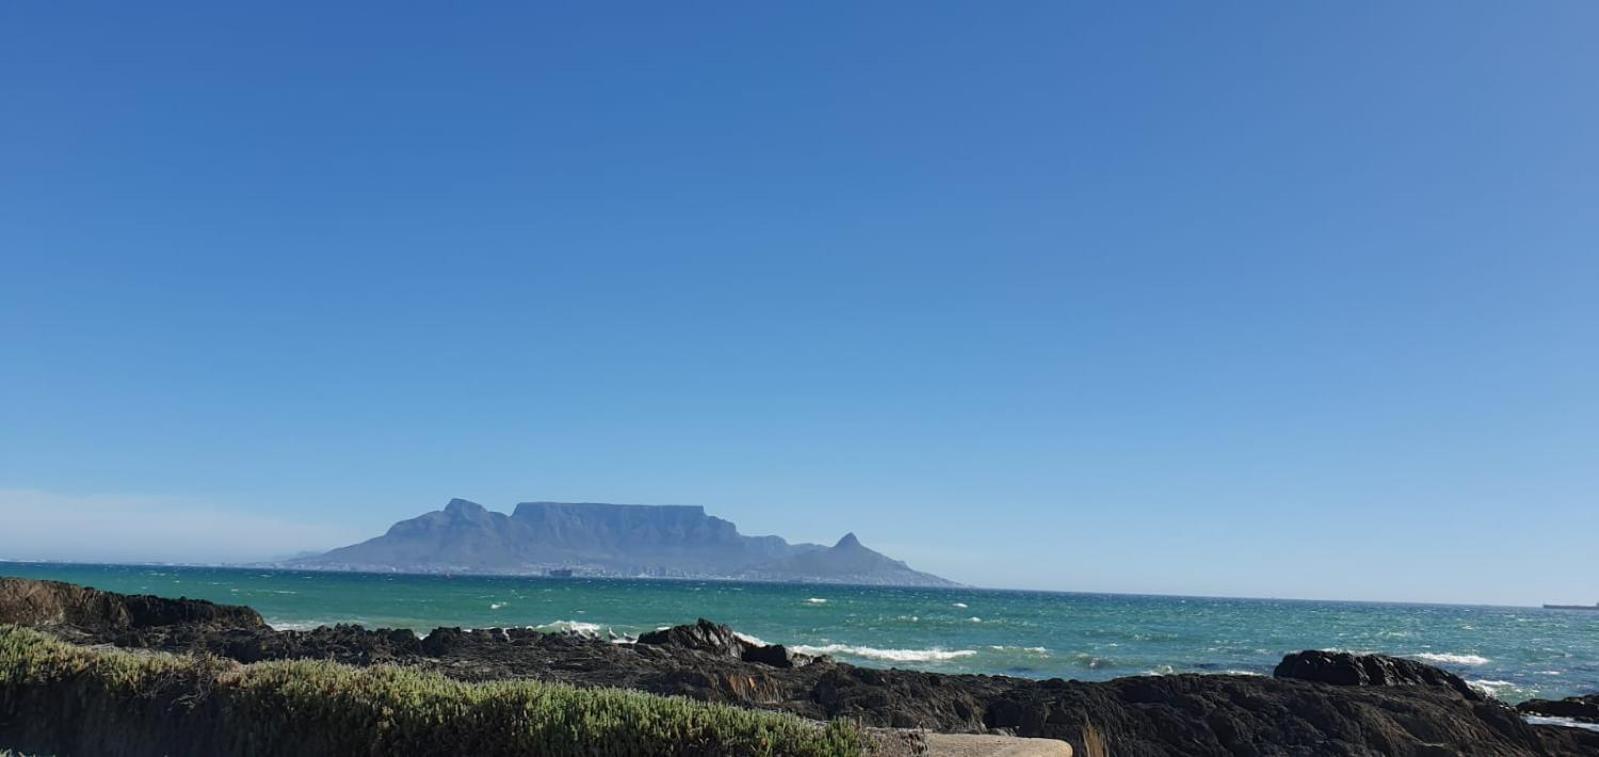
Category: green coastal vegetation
[59,698]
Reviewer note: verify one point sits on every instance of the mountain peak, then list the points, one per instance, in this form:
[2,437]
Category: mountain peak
[462,506]
[848,542]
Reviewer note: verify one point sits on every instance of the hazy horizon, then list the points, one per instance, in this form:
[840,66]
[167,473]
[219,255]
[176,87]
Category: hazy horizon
[1176,299]
[51,540]
[257,565]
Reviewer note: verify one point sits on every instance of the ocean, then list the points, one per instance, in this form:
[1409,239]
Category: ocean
[1514,652]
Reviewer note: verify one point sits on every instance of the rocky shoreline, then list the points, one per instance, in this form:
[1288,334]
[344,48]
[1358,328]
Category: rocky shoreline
[1316,703]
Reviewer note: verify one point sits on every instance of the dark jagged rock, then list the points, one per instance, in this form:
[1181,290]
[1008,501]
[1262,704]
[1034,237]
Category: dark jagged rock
[55,603]
[775,655]
[722,641]
[1322,704]
[1584,708]
[704,636]
[1345,669]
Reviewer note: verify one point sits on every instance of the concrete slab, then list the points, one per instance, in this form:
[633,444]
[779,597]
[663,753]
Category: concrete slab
[975,745]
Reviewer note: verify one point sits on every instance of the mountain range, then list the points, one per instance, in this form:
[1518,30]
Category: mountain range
[600,539]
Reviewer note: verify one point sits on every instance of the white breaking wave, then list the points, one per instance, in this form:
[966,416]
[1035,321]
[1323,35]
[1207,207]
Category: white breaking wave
[304,625]
[573,626]
[1447,658]
[1563,722]
[1034,650]
[756,640]
[890,655]
[816,601]
[975,619]
[1492,687]
[961,605]
[496,605]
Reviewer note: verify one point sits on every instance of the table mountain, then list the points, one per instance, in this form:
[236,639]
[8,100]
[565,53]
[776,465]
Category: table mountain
[599,539]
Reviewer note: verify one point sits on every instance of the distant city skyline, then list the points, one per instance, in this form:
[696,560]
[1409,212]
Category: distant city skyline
[1287,301]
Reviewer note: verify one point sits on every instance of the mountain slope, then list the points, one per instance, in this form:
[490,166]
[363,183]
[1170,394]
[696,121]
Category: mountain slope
[851,562]
[600,539]
[463,536]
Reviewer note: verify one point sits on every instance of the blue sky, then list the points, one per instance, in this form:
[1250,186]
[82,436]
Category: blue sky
[1241,298]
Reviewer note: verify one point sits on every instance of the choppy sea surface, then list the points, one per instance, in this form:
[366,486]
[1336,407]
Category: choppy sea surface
[1514,652]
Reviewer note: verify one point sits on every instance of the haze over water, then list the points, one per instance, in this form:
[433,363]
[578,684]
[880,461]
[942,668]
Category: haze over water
[1514,652]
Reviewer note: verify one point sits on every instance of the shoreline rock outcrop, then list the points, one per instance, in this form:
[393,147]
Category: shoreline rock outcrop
[56,603]
[719,639]
[1583,708]
[1319,703]
[1345,669]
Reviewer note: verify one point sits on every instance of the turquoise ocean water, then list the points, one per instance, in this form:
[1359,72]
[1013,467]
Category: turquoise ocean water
[1515,652]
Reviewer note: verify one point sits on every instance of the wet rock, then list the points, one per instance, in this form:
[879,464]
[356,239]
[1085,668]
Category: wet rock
[703,636]
[1345,669]
[1584,708]
[721,641]
[775,655]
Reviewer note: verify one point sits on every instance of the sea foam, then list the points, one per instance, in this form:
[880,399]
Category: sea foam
[1451,659]
[573,626]
[305,625]
[890,655]
[1493,688]
[1034,650]
[1562,722]
[756,640]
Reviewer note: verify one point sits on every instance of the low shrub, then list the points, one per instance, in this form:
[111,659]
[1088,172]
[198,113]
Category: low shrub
[57,698]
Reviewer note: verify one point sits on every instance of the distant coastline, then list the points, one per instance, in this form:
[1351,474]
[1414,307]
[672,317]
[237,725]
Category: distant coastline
[289,565]
[577,573]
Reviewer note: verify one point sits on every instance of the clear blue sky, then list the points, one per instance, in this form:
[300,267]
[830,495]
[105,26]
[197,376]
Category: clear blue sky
[1225,298]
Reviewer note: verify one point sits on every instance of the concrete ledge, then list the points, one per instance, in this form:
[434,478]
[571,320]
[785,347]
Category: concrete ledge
[975,745]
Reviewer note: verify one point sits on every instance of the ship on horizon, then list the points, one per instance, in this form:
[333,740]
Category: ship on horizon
[1594,606]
